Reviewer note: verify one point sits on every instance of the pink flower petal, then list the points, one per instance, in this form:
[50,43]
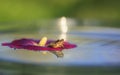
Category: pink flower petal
[29,45]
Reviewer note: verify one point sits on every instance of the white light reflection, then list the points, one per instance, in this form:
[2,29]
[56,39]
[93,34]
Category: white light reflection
[63,27]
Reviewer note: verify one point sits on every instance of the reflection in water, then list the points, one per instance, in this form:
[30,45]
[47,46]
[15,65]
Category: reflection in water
[63,36]
[63,26]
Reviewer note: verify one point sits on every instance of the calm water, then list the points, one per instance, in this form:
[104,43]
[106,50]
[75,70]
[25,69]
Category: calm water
[96,46]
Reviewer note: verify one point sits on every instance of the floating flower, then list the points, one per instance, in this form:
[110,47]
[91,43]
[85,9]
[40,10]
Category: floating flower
[53,46]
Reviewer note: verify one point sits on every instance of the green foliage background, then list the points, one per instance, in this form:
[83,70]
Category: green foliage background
[12,10]
[33,10]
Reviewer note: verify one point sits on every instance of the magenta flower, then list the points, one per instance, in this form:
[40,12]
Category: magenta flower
[30,44]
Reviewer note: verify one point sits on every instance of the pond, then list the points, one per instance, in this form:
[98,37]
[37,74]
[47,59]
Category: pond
[97,52]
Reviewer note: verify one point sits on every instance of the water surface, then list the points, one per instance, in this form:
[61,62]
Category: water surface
[95,46]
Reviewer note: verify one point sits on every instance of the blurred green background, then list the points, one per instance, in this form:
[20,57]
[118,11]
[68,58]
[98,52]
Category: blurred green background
[14,10]
[23,13]
[20,15]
